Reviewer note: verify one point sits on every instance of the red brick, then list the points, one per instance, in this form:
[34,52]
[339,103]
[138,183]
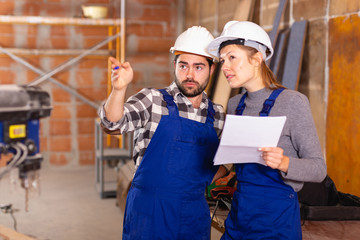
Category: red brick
[58,60]
[43,144]
[60,144]
[86,142]
[84,78]
[97,1]
[92,31]
[163,78]
[57,10]
[149,13]
[6,29]
[7,41]
[94,62]
[31,9]
[59,127]
[156,2]
[61,111]
[60,42]
[138,76]
[32,30]
[35,61]
[92,41]
[7,77]
[7,7]
[31,76]
[60,95]
[55,1]
[62,76]
[144,29]
[154,44]
[60,30]
[154,30]
[86,126]
[59,159]
[93,93]
[85,111]
[5,61]
[86,158]
[159,58]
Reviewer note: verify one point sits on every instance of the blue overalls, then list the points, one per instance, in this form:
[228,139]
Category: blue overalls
[166,199]
[263,206]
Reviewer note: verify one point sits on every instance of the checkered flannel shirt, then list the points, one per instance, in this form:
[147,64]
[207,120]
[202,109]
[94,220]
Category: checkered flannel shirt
[143,111]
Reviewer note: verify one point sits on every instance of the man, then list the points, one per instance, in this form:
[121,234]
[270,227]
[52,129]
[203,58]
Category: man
[176,137]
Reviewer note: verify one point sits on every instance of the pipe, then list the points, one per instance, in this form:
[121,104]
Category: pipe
[72,61]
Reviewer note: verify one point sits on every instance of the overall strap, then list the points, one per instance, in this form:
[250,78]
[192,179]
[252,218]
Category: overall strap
[240,108]
[211,113]
[269,103]
[169,102]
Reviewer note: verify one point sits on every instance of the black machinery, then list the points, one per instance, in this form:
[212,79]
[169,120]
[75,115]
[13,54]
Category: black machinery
[21,107]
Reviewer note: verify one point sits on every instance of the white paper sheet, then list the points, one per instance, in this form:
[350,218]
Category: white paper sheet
[243,135]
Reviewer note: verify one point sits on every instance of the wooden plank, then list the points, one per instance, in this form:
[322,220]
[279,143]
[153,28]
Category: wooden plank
[125,175]
[343,104]
[294,55]
[275,30]
[222,92]
[279,13]
[9,234]
[276,65]
[244,10]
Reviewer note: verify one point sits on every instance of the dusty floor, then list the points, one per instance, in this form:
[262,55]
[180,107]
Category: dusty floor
[68,208]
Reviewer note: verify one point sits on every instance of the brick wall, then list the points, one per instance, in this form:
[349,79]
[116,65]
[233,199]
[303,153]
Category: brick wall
[67,137]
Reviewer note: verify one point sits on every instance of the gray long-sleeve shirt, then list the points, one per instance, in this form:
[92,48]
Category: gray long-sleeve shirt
[299,137]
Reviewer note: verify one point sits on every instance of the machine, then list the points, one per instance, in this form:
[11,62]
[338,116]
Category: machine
[21,108]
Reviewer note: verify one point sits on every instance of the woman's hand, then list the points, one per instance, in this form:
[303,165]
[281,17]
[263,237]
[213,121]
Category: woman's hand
[122,74]
[274,157]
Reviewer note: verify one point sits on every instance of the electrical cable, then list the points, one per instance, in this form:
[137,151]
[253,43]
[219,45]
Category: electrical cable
[12,161]
[21,154]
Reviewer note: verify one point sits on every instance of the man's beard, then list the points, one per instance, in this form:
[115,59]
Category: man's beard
[190,92]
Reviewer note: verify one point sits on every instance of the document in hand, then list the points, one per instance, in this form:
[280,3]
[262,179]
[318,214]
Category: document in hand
[243,135]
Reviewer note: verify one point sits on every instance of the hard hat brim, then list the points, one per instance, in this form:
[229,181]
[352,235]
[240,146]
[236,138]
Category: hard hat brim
[213,47]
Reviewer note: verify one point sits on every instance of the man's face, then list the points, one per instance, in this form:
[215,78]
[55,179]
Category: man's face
[192,74]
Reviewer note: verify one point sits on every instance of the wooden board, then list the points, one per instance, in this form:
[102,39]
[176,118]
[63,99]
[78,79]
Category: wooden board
[275,29]
[222,91]
[293,60]
[9,234]
[343,118]
[278,59]
[125,175]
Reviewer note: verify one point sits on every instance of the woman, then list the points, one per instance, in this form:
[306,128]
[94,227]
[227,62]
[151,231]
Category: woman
[265,204]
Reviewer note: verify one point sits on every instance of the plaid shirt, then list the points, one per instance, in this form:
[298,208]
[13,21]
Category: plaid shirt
[143,111]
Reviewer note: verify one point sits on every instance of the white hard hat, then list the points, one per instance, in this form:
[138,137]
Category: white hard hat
[194,40]
[249,33]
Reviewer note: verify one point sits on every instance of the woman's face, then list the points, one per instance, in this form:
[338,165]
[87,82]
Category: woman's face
[239,69]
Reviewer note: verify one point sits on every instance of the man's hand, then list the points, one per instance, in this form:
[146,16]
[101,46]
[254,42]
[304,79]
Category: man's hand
[122,74]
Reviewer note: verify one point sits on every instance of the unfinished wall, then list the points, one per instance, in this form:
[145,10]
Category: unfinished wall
[67,137]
